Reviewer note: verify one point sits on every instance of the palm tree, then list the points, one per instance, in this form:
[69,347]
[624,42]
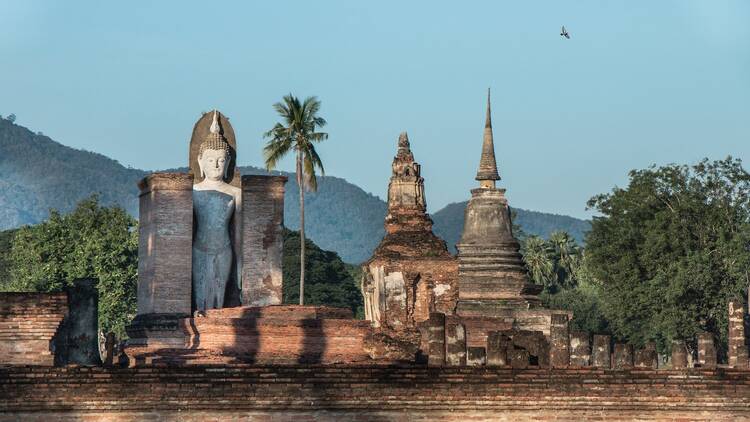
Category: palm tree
[566,257]
[297,132]
[536,255]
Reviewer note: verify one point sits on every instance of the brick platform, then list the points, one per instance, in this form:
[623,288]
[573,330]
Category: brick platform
[28,322]
[272,334]
[365,393]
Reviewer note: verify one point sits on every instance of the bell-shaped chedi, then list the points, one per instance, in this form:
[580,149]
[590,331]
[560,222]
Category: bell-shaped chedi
[492,276]
[411,272]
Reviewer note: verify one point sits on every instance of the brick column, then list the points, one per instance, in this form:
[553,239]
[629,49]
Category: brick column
[646,357]
[737,353]
[679,355]
[706,350]
[600,354]
[623,356]
[433,338]
[497,348]
[262,242]
[165,244]
[165,252]
[580,349]
[455,342]
[559,341]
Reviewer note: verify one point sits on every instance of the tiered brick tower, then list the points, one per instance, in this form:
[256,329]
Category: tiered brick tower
[491,273]
[494,289]
[411,272]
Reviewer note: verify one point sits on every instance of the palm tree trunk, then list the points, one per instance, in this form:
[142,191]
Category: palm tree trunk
[301,186]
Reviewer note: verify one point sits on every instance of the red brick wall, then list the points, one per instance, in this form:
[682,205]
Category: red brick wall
[371,393]
[28,321]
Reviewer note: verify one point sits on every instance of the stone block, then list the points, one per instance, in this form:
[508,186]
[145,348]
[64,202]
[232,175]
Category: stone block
[262,242]
[165,244]
[519,358]
[559,341]
[455,342]
[580,349]
[646,357]
[679,355]
[623,356]
[706,350]
[497,348]
[601,356]
[476,356]
[737,353]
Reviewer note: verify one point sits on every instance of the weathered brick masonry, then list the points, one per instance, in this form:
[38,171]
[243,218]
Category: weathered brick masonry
[366,393]
[28,322]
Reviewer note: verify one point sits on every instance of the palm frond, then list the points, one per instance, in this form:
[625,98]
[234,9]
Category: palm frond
[308,171]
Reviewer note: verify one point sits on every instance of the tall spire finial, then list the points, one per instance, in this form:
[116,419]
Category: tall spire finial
[488,120]
[215,124]
[487,172]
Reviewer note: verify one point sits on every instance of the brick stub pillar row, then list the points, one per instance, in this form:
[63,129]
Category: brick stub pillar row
[262,239]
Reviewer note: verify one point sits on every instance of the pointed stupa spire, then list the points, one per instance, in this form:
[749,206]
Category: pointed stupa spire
[403,141]
[215,124]
[487,164]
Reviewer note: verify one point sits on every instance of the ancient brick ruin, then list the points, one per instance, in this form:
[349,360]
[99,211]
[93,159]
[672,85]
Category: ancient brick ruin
[411,272]
[445,338]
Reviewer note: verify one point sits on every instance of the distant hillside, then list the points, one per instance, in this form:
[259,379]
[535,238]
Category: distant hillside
[37,173]
[449,222]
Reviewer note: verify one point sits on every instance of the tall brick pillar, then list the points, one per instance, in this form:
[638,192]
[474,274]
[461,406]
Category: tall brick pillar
[737,353]
[262,242]
[164,259]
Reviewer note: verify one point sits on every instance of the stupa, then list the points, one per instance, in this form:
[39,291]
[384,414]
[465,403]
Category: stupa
[411,273]
[494,289]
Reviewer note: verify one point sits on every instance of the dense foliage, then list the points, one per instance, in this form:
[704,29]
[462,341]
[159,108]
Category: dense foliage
[672,249]
[561,266]
[91,242]
[328,280]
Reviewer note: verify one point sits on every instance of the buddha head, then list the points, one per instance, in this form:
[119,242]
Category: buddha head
[214,154]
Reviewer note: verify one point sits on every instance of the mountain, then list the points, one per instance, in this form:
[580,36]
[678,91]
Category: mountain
[449,222]
[37,173]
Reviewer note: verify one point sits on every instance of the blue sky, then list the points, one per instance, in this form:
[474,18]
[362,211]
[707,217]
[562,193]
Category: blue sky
[639,83]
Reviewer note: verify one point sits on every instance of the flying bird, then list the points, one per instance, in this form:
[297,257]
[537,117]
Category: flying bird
[564,33]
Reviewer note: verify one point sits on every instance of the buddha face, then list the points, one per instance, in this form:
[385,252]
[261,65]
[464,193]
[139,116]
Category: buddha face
[213,164]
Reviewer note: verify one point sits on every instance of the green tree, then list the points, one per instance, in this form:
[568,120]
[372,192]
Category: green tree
[90,242]
[672,249]
[330,281]
[298,133]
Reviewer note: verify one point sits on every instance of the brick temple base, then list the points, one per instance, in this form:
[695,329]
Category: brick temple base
[283,334]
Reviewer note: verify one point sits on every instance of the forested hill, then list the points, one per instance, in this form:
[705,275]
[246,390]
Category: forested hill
[37,173]
[449,223]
